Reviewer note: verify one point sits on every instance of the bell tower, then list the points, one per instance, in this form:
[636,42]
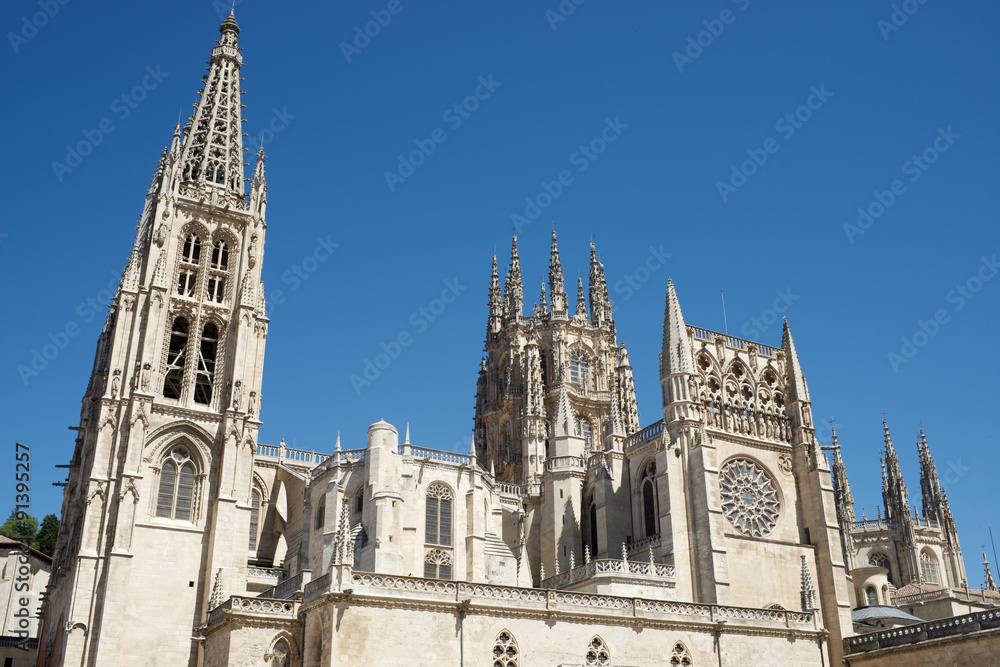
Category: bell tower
[156,511]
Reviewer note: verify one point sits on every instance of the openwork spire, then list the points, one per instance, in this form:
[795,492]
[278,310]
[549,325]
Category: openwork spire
[600,303]
[581,300]
[213,143]
[513,291]
[496,302]
[894,495]
[557,289]
[988,583]
[842,495]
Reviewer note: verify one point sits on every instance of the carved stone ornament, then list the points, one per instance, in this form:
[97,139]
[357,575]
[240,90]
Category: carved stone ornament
[785,463]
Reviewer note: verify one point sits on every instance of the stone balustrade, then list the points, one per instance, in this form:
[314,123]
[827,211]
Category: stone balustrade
[931,630]
[258,607]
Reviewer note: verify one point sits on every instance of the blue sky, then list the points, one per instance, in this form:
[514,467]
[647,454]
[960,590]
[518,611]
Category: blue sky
[827,109]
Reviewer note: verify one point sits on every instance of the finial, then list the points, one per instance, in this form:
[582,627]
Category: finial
[541,573]
[586,554]
[572,560]
[336,447]
[472,446]
[407,440]
[624,553]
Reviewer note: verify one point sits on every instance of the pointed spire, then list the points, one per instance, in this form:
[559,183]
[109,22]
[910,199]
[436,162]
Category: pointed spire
[932,495]
[557,290]
[894,495]
[472,448]
[675,356]
[336,447]
[988,583]
[625,390]
[543,302]
[407,440]
[495,302]
[563,423]
[512,289]
[581,300]
[213,139]
[600,304]
[843,498]
[175,142]
[793,369]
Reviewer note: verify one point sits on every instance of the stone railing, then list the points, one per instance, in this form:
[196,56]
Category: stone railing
[284,589]
[964,594]
[873,524]
[655,571]
[351,454]
[508,489]
[558,462]
[267,573]
[255,607]
[316,588]
[510,598]
[291,456]
[732,341]
[644,544]
[644,435]
[912,634]
[435,455]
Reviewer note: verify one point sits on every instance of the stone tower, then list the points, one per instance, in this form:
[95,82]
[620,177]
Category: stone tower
[156,509]
[555,388]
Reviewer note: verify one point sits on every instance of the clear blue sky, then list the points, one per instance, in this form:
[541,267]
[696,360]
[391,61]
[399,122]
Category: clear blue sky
[880,96]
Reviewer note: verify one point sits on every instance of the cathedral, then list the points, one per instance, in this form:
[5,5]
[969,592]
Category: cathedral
[569,534]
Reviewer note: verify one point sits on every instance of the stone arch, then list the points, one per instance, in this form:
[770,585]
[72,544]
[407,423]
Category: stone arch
[505,650]
[679,656]
[282,651]
[597,652]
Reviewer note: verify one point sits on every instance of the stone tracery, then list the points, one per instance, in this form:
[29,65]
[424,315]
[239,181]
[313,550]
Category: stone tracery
[749,497]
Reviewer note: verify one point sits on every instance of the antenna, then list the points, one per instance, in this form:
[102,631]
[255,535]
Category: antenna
[724,322]
[993,543]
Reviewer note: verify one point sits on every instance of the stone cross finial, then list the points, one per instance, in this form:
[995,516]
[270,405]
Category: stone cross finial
[586,554]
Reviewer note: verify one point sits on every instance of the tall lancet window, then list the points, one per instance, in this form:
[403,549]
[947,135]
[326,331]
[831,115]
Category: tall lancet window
[206,364]
[928,567]
[175,497]
[254,518]
[649,500]
[174,380]
[187,276]
[437,532]
[579,370]
[215,286]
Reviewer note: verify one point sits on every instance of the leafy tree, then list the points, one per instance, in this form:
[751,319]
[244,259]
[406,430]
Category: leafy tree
[47,534]
[23,530]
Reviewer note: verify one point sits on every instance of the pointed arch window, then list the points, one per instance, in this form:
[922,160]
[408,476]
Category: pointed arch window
[579,370]
[175,497]
[680,657]
[648,486]
[254,518]
[437,532]
[871,595]
[593,529]
[928,567]
[505,653]
[598,653]
[192,249]
[585,431]
[173,382]
[279,654]
[215,286]
[205,374]
[879,559]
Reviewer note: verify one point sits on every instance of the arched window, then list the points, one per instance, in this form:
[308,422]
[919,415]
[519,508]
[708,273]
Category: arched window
[879,559]
[679,657]
[206,364]
[585,431]
[187,277]
[175,497]
[505,653]
[871,595]
[648,486]
[928,567]
[438,524]
[359,501]
[220,256]
[597,652]
[437,532]
[174,380]
[321,512]
[545,369]
[279,654]
[254,518]
[579,370]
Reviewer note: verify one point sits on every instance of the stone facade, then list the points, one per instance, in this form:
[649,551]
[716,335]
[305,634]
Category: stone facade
[24,576]
[568,534]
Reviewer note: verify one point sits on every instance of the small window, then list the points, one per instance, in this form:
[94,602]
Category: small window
[928,567]
[579,370]
[175,496]
[505,653]
[598,653]
[321,512]
[215,289]
[871,595]
[359,502]
[187,282]
[437,564]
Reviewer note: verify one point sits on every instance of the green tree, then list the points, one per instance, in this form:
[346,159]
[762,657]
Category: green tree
[24,529]
[47,534]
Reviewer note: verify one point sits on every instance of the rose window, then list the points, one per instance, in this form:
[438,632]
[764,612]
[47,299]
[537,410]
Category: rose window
[749,498]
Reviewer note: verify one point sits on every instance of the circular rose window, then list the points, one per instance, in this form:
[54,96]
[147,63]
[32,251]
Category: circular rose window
[749,498]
